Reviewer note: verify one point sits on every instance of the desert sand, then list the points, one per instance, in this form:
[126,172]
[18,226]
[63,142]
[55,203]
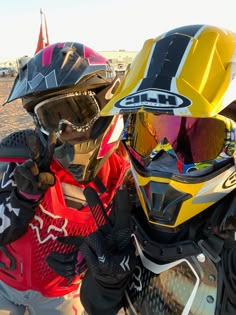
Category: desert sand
[12,116]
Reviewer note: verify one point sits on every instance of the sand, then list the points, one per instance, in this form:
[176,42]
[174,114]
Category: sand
[12,116]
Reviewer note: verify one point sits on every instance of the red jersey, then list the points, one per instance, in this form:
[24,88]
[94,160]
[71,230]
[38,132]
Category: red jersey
[63,212]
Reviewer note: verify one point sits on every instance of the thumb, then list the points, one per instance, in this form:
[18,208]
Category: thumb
[93,249]
[46,180]
[96,206]
[120,238]
[42,154]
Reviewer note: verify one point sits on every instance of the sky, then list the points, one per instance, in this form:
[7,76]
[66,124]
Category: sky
[103,24]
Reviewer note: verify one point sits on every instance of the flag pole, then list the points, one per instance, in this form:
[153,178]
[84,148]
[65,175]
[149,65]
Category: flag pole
[46,29]
[41,16]
[43,28]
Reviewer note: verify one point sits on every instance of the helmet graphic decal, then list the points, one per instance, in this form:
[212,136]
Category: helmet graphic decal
[50,80]
[230,181]
[111,137]
[94,58]
[153,99]
[47,54]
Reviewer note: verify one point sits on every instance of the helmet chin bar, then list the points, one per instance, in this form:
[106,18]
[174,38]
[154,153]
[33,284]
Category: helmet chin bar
[79,159]
[163,201]
[170,200]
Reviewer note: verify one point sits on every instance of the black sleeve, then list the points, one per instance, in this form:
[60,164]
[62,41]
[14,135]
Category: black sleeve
[15,213]
[98,300]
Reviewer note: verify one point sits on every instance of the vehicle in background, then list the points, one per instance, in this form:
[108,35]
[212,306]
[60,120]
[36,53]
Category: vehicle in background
[12,71]
[4,71]
[7,71]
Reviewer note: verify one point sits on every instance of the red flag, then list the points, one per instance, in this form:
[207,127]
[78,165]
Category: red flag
[43,40]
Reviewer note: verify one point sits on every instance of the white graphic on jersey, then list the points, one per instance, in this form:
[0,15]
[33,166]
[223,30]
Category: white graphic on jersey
[52,229]
[5,220]
[7,178]
[10,208]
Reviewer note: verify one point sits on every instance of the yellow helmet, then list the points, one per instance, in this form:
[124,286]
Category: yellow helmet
[179,95]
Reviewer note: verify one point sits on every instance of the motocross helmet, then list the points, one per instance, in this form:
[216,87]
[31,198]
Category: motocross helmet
[179,95]
[64,87]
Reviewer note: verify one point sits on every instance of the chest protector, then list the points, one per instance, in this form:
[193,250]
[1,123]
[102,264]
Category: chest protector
[63,212]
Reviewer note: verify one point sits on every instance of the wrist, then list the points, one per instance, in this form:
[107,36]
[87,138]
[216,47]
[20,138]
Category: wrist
[28,198]
[81,265]
[112,282]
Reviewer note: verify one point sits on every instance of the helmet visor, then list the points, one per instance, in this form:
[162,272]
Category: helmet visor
[190,140]
[79,110]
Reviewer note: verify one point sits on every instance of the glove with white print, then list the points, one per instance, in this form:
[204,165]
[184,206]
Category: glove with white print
[110,257]
[109,252]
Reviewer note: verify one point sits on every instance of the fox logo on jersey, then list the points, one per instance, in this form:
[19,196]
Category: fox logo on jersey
[46,232]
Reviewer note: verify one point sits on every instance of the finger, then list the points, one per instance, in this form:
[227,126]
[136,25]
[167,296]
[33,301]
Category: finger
[27,170]
[96,207]
[46,159]
[45,180]
[93,248]
[31,166]
[62,268]
[59,258]
[121,210]
[71,240]
[43,159]
[34,147]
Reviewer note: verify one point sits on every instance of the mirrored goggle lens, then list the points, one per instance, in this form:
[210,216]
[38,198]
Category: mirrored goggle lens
[78,110]
[193,140]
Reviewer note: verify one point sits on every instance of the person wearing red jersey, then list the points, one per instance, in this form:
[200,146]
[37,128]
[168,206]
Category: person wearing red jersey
[63,87]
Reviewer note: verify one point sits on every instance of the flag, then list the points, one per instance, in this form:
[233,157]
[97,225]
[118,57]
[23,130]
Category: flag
[43,40]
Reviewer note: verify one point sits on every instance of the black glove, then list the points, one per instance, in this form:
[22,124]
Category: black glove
[110,257]
[109,252]
[71,264]
[33,177]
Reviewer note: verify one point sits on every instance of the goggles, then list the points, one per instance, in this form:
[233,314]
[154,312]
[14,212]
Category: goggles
[80,110]
[190,140]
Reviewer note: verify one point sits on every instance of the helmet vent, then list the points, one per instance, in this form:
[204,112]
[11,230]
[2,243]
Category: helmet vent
[163,201]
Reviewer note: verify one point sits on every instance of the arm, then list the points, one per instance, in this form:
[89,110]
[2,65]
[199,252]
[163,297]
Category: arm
[15,213]
[22,187]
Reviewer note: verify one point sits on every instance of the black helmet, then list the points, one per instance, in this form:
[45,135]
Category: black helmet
[68,84]
[61,68]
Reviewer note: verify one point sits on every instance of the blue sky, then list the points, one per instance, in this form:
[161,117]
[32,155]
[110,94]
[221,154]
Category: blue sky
[104,24]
